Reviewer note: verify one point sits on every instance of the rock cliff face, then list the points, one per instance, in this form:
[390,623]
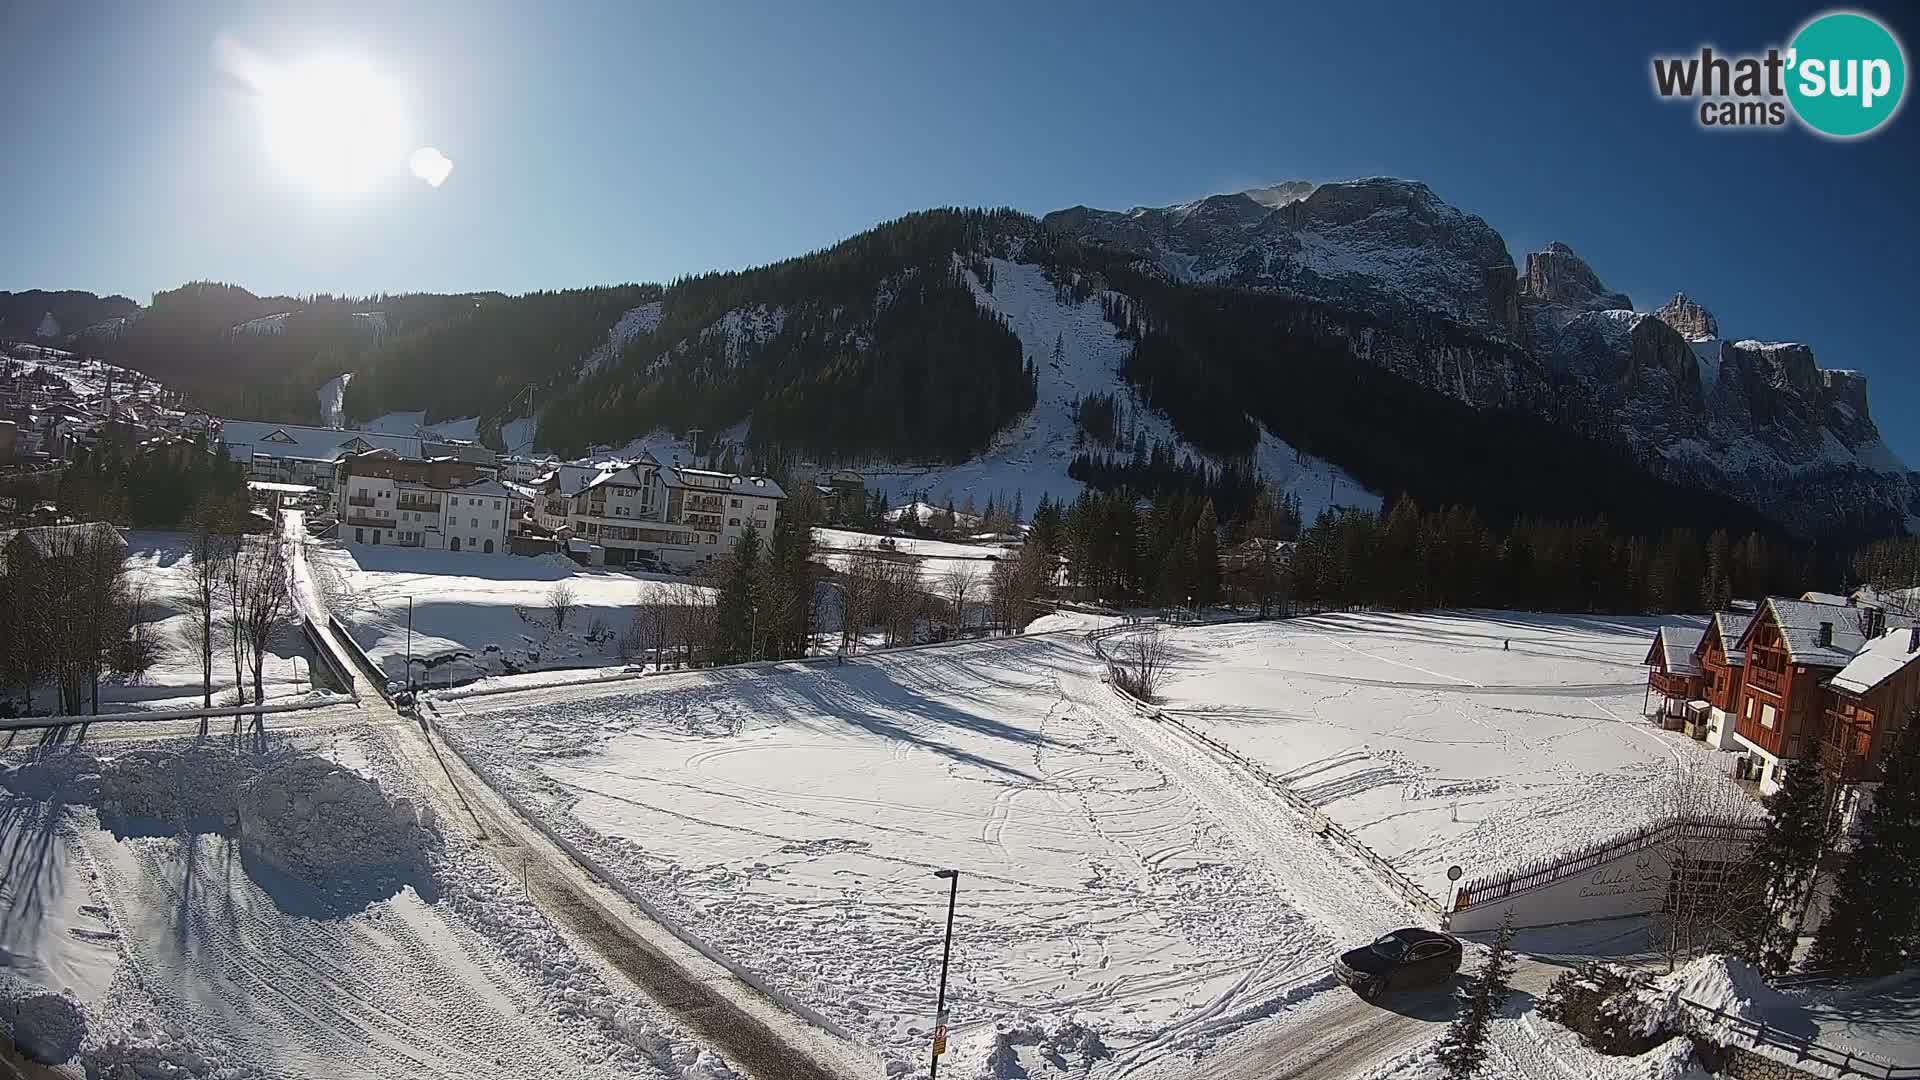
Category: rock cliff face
[1387,245]
[1758,420]
[1693,322]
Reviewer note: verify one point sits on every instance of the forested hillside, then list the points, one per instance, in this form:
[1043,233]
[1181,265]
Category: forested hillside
[875,347]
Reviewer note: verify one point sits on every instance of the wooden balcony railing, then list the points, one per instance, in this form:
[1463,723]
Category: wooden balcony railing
[1766,679]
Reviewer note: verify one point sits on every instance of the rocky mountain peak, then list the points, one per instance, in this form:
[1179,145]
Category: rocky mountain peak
[1556,275]
[1278,195]
[1684,314]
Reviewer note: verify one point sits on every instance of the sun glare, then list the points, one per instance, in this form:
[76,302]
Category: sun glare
[333,124]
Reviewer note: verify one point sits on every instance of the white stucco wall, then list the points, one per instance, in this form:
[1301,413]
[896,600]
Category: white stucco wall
[1631,883]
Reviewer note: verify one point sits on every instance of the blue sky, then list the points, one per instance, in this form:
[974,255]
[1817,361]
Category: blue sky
[634,142]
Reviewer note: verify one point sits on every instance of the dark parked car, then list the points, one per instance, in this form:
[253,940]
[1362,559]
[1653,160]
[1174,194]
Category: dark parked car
[1405,958]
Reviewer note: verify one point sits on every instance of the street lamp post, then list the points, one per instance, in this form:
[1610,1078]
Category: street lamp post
[946,955]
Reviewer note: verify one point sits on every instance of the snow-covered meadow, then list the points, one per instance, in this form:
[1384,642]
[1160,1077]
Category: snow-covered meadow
[794,817]
[1482,739]
[475,615]
[288,911]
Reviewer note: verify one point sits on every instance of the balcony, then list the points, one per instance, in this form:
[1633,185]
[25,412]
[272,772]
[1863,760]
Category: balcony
[415,504]
[359,500]
[1846,748]
[707,522]
[370,521]
[1766,680]
[704,504]
[1678,687]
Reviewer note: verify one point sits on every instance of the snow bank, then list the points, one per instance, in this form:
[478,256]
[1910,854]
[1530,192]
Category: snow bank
[151,1051]
[333,831]
[1028,1048]
[300,818]
[49,1028]
[1728,984]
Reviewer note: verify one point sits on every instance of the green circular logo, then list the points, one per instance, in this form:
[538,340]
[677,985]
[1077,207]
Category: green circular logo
[1846,74]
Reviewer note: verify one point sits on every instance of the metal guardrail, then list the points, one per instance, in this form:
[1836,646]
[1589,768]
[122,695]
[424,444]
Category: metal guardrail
[375,677]
[316,636]
[1405,887]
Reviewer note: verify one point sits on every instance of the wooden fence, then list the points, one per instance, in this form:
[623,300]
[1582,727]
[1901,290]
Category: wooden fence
[1549,869]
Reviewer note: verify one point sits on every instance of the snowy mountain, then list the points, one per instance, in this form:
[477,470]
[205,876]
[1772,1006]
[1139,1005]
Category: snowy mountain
[1759,421]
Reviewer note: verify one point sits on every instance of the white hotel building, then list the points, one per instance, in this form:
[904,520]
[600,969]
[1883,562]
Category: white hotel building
[645,510]
[442,503]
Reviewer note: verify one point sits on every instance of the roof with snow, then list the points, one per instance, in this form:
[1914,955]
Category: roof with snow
[1881,659]
[1814,597]
[1800,622]
[245,438]
[677,476]
[1731,626]
[1673,648]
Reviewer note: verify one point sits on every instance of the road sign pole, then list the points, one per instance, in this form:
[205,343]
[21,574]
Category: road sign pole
[940,1005]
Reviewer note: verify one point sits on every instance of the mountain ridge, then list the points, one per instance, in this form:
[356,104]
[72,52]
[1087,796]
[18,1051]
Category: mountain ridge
[1379,272]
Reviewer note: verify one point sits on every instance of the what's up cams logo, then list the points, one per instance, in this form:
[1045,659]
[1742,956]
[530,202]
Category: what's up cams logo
[1843,76]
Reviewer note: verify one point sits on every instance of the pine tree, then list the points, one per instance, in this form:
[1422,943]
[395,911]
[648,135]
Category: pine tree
[1797,833]
[735,614]
[1873,927]
[1206,558]
[1463,1049]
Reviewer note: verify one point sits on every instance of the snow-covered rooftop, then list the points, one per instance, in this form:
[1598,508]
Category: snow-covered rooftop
[1881,659]
[1673,648]
[1731,626]
[245,438]
[1800,623]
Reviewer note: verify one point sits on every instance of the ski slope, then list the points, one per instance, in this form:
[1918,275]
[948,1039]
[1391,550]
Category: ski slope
[1031,457]
[793,817]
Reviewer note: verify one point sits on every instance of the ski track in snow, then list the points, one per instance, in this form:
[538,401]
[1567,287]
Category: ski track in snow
[793,818]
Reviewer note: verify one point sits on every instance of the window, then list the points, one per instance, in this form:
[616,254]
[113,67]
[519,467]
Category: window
[473,523]
[496,504]
[736,504]
[494,524]
[734,522]
[1767,715]
[359,536]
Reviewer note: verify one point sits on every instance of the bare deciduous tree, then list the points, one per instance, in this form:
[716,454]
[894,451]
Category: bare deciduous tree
[263,601]
[1712,887]
[560,601]
[1137,661]
[209,553]
[862,586]
[958,589]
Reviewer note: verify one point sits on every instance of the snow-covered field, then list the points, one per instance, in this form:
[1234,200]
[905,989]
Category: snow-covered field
[290,913]
[937,558]
[474,615]
[794,818]
[1482,739]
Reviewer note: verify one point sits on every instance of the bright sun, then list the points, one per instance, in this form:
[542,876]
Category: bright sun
[333,124]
